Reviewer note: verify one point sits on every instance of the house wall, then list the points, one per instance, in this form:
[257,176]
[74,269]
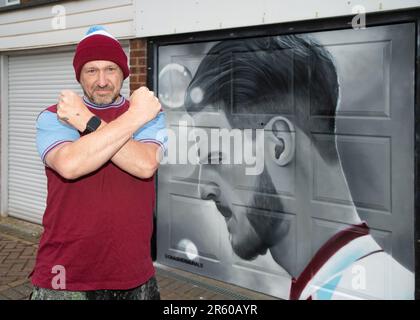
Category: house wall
[162,17]
[63,23]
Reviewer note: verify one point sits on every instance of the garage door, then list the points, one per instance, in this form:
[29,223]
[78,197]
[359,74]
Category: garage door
[217,220]
[35,80]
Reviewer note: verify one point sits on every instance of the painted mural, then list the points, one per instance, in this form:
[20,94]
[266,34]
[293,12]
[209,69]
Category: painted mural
[290,162]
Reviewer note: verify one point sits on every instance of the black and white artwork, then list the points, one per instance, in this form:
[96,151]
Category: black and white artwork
[290,163]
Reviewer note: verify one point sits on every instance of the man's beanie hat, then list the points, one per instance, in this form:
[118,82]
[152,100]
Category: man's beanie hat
[99,45]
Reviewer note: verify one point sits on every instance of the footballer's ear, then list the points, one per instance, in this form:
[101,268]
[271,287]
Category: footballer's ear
[281,140]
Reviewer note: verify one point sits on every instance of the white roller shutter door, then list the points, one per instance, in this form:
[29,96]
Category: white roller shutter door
[34,84]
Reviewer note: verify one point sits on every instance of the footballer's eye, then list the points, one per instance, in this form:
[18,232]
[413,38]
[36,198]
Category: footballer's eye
[215,157]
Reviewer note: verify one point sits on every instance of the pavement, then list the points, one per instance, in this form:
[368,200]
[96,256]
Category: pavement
[18,246]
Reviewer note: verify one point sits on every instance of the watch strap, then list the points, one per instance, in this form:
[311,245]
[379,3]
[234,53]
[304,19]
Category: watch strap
[92,124]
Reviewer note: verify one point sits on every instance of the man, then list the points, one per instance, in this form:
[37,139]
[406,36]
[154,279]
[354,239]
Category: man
[262,83]
[100,155]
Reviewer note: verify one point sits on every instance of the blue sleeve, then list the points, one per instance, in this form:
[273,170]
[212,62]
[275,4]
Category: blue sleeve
[50,132]
[154,131]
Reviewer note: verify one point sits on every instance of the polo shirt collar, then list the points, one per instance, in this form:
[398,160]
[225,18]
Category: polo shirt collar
[117,103]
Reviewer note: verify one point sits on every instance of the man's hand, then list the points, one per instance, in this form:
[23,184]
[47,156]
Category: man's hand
[144,106]
[72,110]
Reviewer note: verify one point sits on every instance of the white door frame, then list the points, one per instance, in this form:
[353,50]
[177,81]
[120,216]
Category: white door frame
[4,102]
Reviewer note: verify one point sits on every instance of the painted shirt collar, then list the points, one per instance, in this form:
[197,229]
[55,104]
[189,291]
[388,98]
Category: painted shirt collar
[339,252]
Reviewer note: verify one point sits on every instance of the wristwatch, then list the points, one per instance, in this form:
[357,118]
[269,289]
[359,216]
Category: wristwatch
[92,124]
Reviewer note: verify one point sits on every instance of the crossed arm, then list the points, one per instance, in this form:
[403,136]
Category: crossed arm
[111,141]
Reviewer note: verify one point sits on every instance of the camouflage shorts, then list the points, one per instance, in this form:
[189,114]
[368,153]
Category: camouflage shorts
[147,291]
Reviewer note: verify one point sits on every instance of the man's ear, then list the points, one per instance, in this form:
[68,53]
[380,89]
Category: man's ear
[281,140]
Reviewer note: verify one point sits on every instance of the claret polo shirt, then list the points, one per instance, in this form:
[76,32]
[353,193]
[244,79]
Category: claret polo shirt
[97,228]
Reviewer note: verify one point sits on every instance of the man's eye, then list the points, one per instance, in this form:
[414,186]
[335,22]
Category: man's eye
[112,69]
[91,71]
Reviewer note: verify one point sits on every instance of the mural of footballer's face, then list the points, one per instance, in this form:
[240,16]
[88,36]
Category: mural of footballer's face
[259,79]
[236,193]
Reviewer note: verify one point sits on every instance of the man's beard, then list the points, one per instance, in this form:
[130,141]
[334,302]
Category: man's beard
[102,100]
[265,225]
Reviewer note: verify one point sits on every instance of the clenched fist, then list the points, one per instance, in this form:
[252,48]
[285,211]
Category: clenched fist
[72,110]
[144,106]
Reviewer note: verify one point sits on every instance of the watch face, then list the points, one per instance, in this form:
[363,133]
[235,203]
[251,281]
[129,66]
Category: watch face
[93,124]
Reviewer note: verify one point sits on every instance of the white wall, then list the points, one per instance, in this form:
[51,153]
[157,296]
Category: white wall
[37,27]
[160,17]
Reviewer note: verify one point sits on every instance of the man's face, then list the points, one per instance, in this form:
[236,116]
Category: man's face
[101,81]
[233,192]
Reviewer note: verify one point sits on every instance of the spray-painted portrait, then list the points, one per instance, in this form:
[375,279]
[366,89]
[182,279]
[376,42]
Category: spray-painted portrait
[290,163]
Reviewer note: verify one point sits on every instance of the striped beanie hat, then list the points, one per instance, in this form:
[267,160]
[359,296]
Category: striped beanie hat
[98,44]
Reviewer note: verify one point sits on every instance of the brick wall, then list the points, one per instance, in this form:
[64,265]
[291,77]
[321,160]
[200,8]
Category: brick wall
[138,63]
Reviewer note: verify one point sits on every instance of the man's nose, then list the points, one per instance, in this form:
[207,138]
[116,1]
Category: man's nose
[102,81]
[208,190]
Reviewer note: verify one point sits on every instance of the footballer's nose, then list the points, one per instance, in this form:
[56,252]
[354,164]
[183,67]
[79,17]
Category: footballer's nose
[208,190]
